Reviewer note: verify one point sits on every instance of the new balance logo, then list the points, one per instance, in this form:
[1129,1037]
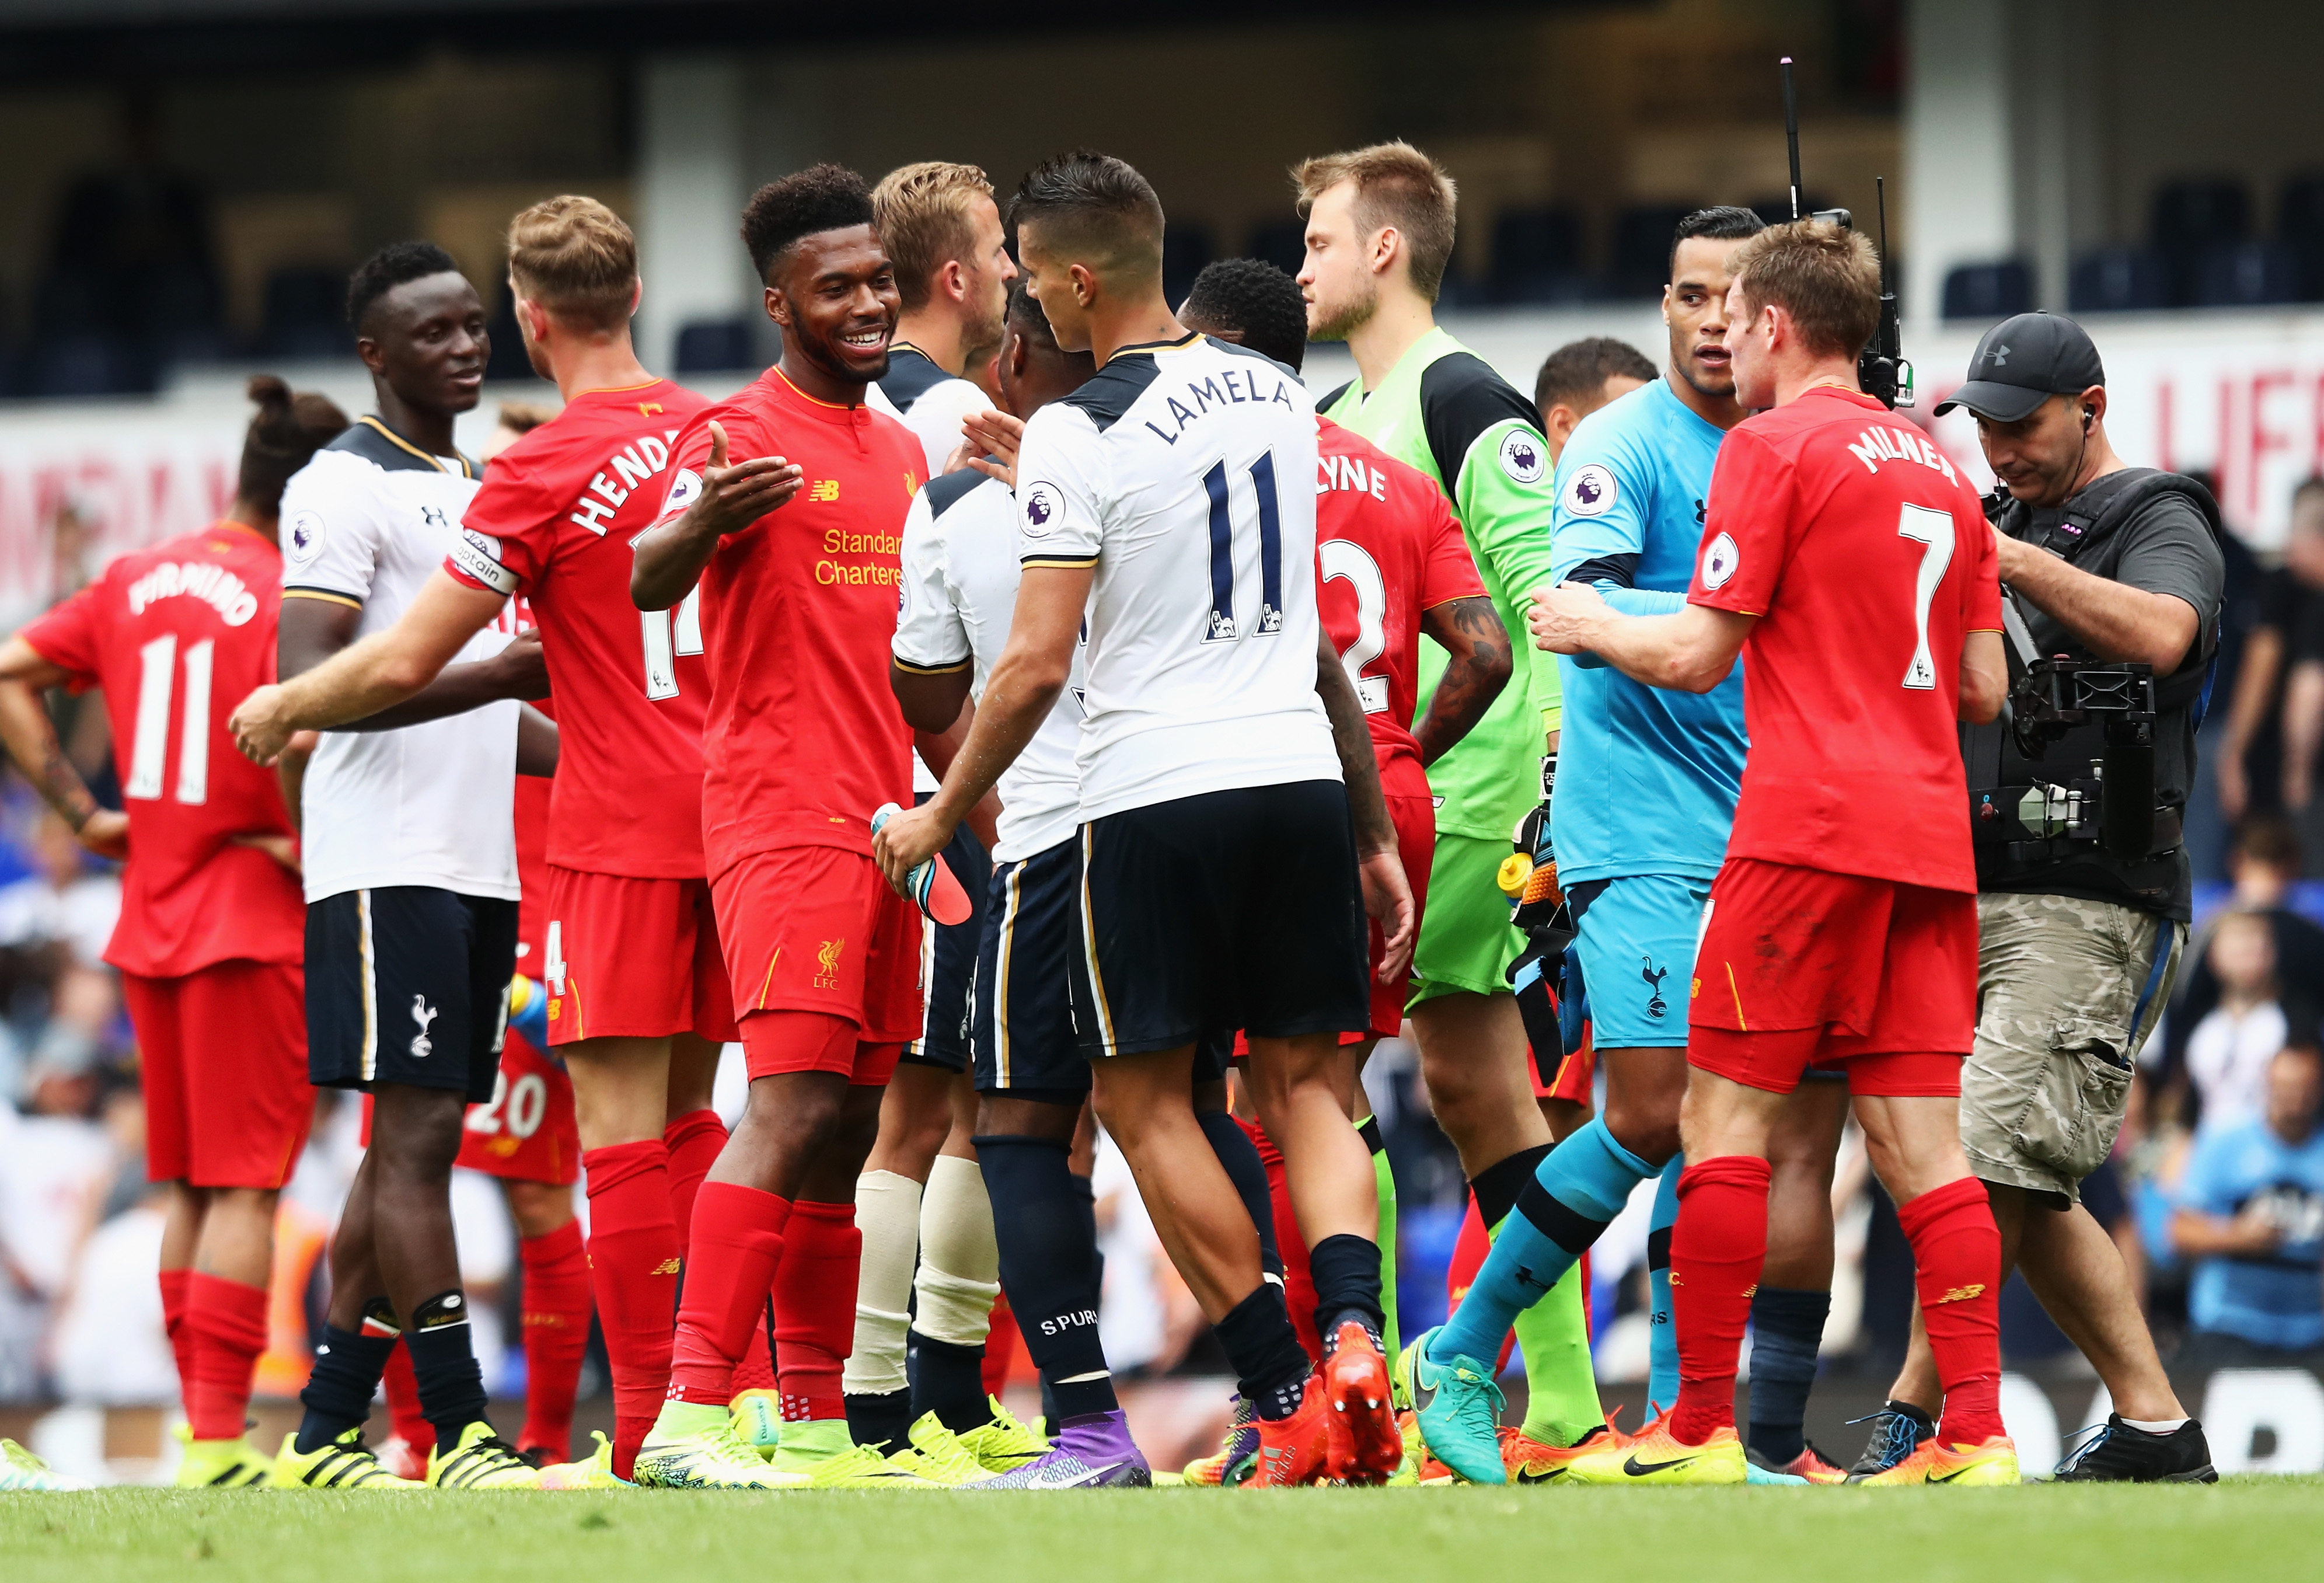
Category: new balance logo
[667,1267]
[824,489]
[1963,1294]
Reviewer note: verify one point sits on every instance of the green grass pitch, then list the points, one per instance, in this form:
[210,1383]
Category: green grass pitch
[2255,1529]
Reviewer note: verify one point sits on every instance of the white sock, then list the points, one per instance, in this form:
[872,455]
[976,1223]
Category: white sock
[888,1213]
[2155,1426]
[960,1263]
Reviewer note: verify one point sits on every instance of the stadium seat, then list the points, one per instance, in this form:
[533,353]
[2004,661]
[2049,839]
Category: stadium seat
[2118,279]
[1282,242]
[2248,274]
[1187,246]
[2192,218]
[2299,223]
[305,314]
[182,312]
[714,345]
[87,363]
[1537,256]
[1639,264]
[1989,291]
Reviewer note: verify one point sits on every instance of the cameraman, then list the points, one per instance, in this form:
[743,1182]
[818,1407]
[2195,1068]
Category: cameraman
[2107,564]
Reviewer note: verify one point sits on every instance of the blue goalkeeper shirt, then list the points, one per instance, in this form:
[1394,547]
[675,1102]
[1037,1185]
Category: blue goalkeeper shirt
[1647,779]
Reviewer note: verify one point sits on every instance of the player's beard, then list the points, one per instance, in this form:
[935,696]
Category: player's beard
[980,338]
[1342,321]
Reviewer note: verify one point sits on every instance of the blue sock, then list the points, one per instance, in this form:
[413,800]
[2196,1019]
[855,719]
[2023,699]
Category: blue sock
[1787,1333]
[1580,1188]
[1662,1339]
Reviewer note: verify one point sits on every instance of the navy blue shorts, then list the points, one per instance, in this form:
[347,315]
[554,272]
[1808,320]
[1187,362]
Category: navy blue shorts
[408,984]
[1024,998]
[1236,909]
[948,961]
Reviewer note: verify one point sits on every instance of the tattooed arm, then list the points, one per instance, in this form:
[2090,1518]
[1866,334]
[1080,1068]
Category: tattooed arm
[31,739]
[1470,633]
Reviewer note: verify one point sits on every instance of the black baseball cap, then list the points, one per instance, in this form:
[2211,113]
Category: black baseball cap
[2023,362]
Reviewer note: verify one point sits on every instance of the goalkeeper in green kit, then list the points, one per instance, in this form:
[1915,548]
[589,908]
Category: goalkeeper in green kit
[1380,233]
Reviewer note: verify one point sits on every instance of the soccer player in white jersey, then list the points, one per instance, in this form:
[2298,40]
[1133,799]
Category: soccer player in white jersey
[1225,881]
[410,862]
[920,1195]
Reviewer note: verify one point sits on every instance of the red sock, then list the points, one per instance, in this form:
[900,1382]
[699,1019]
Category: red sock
[755,1369]
[1298,1279]
[1716,1247]
[633,1263]
[736,1242]
[410,1424]
[815,1308]
[182,1340]
[556,1335]
[694,1141]
[1003,1343]
[1957,1268]
[227,1322]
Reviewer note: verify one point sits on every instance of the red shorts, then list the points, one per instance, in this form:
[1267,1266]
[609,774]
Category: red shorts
[633,958]
[1803,968]
[1415,819]
[224,1053]
[527,1133]
[818,928]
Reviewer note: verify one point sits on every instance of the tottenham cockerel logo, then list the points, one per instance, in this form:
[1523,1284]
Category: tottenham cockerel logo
[1655,1005]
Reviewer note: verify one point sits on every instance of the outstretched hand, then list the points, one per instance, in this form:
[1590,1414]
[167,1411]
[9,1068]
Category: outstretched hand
[993,438]
[258,725]
[734,498]
[1561,617]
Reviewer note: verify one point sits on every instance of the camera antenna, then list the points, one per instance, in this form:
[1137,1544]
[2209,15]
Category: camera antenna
[1792,132]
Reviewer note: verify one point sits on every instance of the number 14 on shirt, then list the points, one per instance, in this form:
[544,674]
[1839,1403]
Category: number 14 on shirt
[667,635]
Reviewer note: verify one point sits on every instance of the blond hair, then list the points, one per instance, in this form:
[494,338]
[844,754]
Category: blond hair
[922,214]
[576,258]
[1825,276]
[1396,185]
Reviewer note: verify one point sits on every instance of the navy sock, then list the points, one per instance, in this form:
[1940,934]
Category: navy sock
[1270,1366]
[1346,1269]
[1244,1167]
[444,1366]
[1661,1337]
[1576,1190]
[1787,1332]
[1044,1225]
[339,1392]
[885,1418]
[946,1379]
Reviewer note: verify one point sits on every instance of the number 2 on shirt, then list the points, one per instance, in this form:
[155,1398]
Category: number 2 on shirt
[667,638]
[1222,627]
[1925,525]
[1345,558]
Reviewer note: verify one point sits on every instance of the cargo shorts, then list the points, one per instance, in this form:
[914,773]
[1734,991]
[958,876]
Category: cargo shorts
[2068,991]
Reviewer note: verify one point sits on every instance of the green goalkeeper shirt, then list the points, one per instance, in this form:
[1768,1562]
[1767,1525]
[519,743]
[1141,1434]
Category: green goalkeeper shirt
[1444,410]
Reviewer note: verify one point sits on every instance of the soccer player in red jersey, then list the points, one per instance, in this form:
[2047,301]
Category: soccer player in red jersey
[639,1004]
[212,929]
[795,547]
[1851,566]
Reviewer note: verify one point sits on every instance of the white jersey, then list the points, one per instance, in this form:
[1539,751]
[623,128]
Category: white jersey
[1184,473]
[920,394]
[366,523]
[960,592]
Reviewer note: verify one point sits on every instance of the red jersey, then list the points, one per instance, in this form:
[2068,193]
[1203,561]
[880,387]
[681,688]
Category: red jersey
[1387,547]
[554,521]
[804,740]
[1868,560]
[177,635]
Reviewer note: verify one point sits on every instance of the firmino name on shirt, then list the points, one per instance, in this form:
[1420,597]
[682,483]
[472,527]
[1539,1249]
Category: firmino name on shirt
[1221,390]
[624,470]
[1879,443]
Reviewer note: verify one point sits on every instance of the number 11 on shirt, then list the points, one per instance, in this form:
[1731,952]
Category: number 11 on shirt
[1221,628]
[669,634]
